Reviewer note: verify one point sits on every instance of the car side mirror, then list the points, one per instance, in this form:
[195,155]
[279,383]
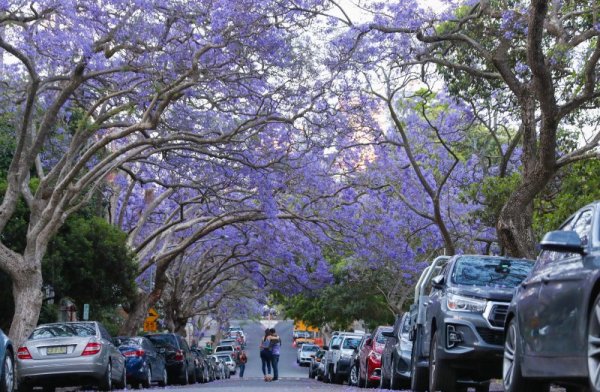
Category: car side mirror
[335,347]
[438,282]
[562,241]
[388,334]
[325,348]
[369,342]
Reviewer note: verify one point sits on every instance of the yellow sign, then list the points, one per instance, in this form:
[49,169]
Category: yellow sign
[152,315]
[150,325]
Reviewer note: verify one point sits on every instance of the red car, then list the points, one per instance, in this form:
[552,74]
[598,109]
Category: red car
[369,358]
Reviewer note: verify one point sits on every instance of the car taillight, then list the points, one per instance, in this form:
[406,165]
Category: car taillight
[179,355]
[23,353]
[135,353]
[92,348]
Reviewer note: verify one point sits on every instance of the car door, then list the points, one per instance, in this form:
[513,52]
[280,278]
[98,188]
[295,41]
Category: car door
[562,297]
[118,361]
[404,346]
[153,358]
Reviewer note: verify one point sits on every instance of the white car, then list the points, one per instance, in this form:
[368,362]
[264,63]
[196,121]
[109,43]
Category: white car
[229,362]
[305,353]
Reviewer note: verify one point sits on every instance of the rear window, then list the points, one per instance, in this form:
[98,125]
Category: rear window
[163,340]
[488,271]
[351,343]
[135,340]
[63,330]
[224,348]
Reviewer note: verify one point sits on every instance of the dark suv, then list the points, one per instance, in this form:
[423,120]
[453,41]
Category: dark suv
[553,323]
[465,316]
[179,358]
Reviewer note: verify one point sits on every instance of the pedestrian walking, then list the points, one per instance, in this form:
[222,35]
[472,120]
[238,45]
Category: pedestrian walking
[243,359]
[265,355]
[275,345]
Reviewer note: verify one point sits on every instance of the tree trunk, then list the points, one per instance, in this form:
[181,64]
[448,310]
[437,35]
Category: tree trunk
[28,297]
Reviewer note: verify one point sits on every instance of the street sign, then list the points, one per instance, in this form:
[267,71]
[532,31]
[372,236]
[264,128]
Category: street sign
[152,314]
[86,312]
[150,326]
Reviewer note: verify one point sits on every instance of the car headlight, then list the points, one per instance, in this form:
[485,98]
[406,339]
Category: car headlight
[458,303]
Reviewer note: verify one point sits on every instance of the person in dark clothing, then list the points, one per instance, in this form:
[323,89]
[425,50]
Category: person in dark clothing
[265,355]
[275,345]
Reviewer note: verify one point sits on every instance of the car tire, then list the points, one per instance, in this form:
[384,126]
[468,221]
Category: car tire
[7,383]
[384,383]
[397,383]
[593,345]
[192,376]
[353,376]
[419,378]
[512,379]
[164,380]
[441,377]
[123,382]
[147,381]
[184,376]
[105,383]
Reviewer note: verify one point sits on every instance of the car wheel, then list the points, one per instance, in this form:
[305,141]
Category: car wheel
[7,383]
[106,382]
[441,378]
[163,381]
[396,382]
[123,382]
[419,379]
[184,377]
[147,382]
[593,345]
[192,376]
[512,379]
[384,382]
[353,376]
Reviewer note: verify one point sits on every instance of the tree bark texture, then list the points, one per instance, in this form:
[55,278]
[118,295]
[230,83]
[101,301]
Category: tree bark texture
[27,294]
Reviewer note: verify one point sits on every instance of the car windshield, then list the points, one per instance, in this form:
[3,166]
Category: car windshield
[310,348]
[224,348]
[63,330]
[350,343]
[163,340]
[490,271]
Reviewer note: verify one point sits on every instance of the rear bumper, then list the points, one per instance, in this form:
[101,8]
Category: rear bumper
[61,372]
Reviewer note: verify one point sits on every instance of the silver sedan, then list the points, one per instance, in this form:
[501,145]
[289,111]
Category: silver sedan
[70,354]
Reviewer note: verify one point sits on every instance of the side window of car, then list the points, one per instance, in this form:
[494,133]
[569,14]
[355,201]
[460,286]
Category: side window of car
[103,332]
[583,226]
[548,256]
[406,325]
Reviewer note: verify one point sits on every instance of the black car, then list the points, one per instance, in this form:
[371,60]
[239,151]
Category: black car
[202,365]
[179,358]
[466,311]
[553,323]
[314,368]
[396,356]
[353,375]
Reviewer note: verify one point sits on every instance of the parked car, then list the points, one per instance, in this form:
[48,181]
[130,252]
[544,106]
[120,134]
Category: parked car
[219,367]
[70,354]
[227,349]
[463,333]
[369,357]
[305,354]
[144,364]
[553,323]
[202,366]
[7,366]
[315,368]
[341,361]
[353,379]
[213,367]
[178,356]
[229,362]
[332,354]
[396,356]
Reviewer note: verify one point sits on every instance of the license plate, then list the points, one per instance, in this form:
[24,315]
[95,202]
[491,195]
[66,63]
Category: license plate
[56,350]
